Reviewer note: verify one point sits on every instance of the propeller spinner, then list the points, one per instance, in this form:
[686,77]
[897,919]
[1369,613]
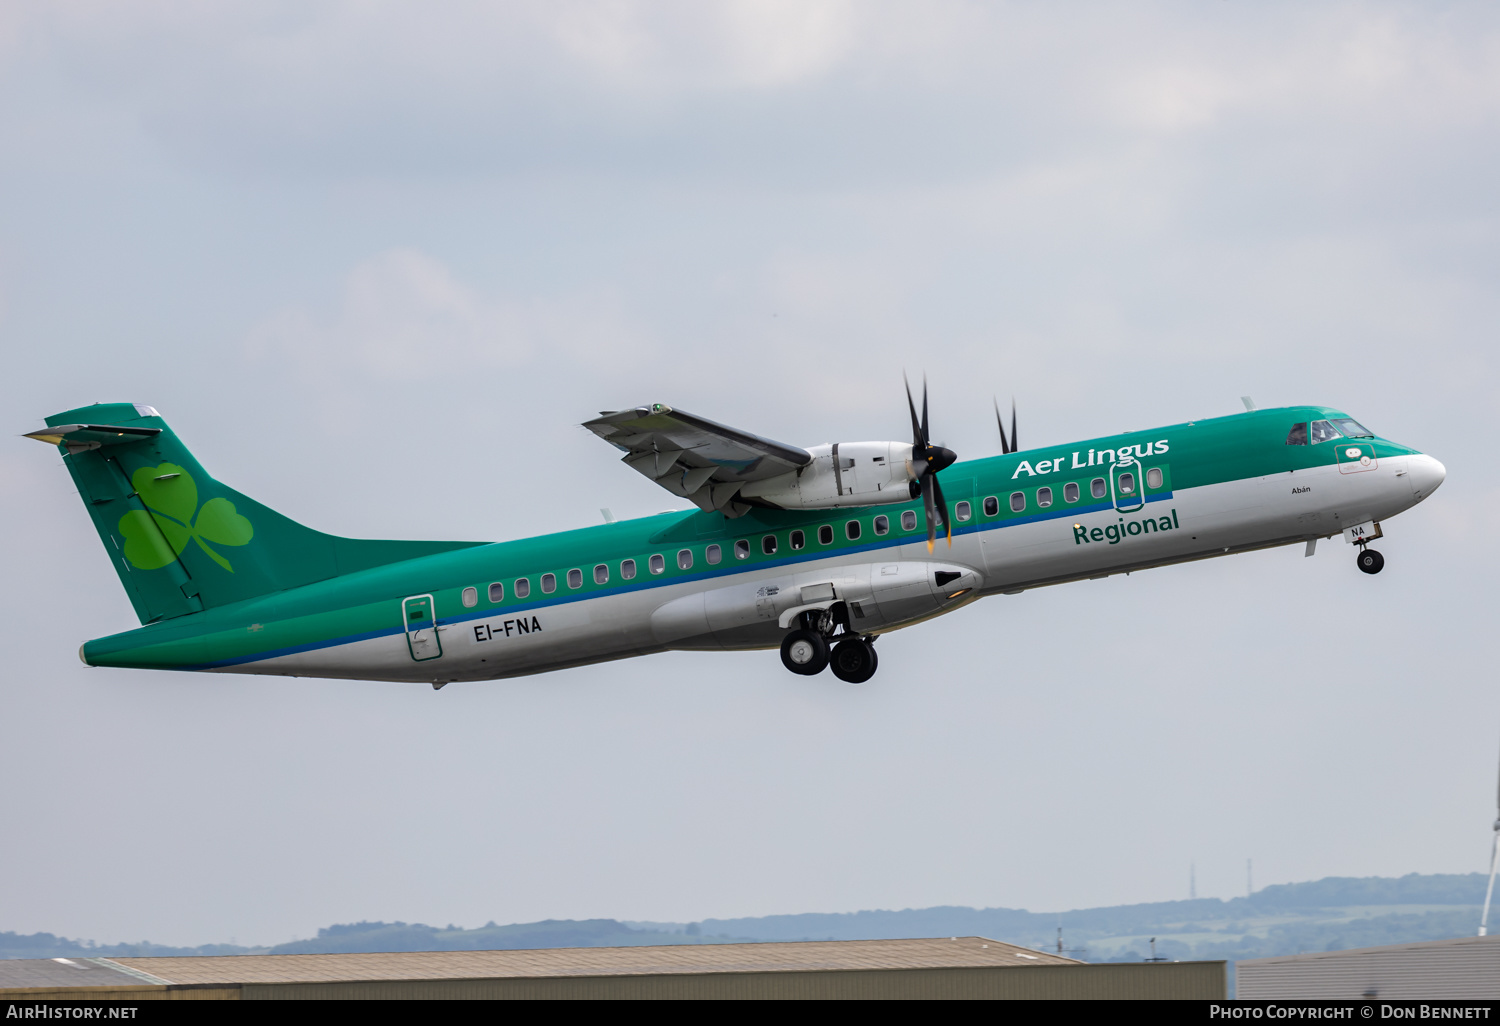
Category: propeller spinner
[926,460]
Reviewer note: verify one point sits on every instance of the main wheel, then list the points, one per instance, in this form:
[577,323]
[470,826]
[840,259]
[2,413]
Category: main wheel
[1370,561]
[804,652]
[854,660]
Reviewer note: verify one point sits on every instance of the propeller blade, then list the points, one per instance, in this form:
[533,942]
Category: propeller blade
[1015,436]
[999,423]
[916,428]
[926,436]
[927,503]
[937,494]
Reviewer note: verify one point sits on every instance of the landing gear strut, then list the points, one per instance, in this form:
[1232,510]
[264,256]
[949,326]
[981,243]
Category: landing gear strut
[1370,561]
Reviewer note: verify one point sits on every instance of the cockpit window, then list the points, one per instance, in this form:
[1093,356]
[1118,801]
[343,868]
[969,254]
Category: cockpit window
[1353,428]
[1297,435]
[1323,431]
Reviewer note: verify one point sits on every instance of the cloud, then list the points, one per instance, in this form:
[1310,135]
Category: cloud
[403,317]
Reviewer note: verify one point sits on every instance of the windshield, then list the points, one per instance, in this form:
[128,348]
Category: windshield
[1323,431]
[1353,428]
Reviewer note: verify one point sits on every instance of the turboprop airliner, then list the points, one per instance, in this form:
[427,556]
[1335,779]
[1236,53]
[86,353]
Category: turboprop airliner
[818,551]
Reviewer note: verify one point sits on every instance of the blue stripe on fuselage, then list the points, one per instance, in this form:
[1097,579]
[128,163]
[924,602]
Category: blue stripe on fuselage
[885,542]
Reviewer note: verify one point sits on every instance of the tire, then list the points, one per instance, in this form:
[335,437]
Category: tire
[853,661]
[804,652]
[1370,561]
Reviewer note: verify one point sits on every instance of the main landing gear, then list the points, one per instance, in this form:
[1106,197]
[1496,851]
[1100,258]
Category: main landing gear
[807,651]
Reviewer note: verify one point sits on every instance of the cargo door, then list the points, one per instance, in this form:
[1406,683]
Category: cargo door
[419,615]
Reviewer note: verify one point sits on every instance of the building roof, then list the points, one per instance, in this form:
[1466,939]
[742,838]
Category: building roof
[1460,968]
[799,956]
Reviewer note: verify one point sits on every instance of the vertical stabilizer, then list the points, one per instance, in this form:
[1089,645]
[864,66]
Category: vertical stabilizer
[181,541]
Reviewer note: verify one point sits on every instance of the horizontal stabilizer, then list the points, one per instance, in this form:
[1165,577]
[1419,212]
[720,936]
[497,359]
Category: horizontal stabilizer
[78,437]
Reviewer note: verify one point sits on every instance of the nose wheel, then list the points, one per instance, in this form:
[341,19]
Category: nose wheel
[1370,561]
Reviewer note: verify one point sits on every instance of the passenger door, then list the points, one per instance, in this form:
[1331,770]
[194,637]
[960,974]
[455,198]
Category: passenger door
[419,615]
[1127,485]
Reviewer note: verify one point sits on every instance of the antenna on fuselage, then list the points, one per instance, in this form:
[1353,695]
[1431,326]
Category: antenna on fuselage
[1249,403]
[1484,917]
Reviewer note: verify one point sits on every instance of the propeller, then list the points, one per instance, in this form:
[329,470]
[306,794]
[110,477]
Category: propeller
[926,460]
[1494,864]
[1011,444]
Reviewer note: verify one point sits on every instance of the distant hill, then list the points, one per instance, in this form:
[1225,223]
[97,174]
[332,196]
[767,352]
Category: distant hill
[550,933]
[1324,915]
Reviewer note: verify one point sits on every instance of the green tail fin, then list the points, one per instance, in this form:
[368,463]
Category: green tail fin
[183,542]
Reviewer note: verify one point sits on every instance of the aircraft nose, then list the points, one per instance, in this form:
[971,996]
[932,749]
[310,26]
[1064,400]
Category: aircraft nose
[1426,474]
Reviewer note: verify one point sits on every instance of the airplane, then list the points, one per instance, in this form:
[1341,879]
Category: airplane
[816,551]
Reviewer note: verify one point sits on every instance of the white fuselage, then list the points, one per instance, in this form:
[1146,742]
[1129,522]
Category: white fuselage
[891,583]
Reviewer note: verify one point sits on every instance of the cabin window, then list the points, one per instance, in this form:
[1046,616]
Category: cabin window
[684,559]
[742,549]
[601,574]
[627,570]
[1297,435]
[799,540]
[1070,492]
[1017,501]
[497,592]
[768,545]
[963,511]
[549,583]
[714,554]
[851,530]
[471,597]
[825,535]
[575,578]
[908,521]
[657,563]
[1323,431]
[1127,484]
[1353,428]
[882,524]
[1153,477]
[991,505]
[523,587]
[1098,489]
[1044,497]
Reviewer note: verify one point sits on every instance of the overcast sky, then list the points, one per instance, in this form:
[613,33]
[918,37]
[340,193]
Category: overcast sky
[375,262]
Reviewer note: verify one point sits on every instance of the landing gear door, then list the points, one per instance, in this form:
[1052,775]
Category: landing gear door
[1356,457]
[1126,485]
[419,616]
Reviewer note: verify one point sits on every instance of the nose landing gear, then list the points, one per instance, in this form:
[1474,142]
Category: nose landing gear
[1370,561]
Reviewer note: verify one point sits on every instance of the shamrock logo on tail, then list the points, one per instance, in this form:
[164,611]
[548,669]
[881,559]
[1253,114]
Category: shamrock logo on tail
[172,497]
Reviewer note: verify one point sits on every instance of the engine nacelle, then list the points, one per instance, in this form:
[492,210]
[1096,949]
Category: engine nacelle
[841,474]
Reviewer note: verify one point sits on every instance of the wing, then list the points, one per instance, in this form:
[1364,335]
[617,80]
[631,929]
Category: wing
[694,457]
